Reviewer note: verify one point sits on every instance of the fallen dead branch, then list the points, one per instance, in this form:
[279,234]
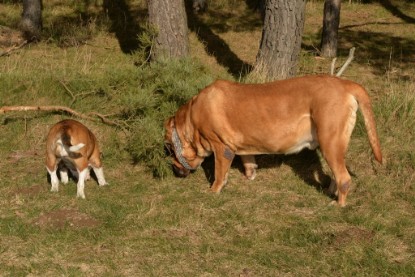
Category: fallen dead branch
[67,110]
[13,48]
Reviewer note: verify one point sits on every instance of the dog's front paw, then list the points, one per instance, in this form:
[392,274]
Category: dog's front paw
[216,188]
[54,189]
[80,195]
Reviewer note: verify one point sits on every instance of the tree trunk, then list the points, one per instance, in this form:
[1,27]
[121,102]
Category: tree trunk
[169,19]
[31,22]
[281,39]
[331,21]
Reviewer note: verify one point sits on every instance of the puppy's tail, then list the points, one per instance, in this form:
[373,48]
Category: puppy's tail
[365,106]
[67,148]
[75,148]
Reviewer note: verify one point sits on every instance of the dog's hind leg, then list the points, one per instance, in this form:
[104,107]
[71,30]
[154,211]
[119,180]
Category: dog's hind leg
[99,172]
[343,183]
[334,152]
[54,180]
[52,167]
[250,166]
[81,182]
[64,175]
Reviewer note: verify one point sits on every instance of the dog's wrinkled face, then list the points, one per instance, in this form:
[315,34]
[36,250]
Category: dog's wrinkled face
[184,156]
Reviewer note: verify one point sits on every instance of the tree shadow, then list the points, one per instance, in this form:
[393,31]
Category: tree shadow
[78,26]
[382,50]
[387,4]
[306,165]
[214,44]
[123,24]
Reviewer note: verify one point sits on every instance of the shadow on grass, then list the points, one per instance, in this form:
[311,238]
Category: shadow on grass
[394,10]
[384,51]
[306,165]
[124,24]
[74,29]
[214,44]
[375,47]
[381,50]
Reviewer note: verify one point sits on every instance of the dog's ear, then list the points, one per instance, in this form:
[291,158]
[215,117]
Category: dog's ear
[169,123]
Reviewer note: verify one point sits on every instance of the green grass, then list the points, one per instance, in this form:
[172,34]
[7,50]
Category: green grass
[281,224]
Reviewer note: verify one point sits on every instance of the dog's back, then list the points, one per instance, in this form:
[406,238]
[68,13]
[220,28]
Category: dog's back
[66,138]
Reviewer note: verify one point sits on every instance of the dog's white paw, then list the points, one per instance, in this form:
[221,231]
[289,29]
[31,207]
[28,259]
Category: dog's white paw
[54,189]
[64,177]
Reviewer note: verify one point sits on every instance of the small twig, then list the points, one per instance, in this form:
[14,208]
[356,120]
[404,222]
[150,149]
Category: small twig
[13,48]
[149,53]
[69,91]
[105,119]
[348,61]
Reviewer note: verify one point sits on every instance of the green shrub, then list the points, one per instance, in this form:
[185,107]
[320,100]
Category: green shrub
[162,88]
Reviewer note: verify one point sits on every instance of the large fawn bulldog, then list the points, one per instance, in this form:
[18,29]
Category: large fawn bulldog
[73,147]
[281,117]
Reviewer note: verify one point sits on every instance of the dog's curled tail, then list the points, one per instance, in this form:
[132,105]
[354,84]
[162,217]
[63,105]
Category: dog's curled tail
[75,148]
[67,148]
[366,108]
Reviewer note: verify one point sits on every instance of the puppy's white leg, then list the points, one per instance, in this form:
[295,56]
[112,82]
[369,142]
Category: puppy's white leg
[88,175]
[64,176]
[53,180]
[81,183]
[99,172]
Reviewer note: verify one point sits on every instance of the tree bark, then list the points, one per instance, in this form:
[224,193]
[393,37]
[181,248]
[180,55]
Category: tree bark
[331,21]
[31,22]
[281,39]
[169,19]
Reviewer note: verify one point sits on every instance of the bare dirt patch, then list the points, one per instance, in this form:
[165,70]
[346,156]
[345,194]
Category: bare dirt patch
[66,218]
[353,235]
[30,191]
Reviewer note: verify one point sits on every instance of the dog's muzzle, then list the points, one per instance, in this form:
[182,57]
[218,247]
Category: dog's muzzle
[180,171]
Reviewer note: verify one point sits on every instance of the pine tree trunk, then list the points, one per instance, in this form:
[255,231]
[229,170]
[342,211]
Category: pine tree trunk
[331,21]
[31,22]
[281,39]
[169,19]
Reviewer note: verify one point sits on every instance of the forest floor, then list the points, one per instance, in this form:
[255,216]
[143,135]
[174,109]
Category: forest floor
[280,224]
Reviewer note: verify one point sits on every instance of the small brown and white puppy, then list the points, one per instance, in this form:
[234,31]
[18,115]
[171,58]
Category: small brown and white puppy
[282,117]
[73,147]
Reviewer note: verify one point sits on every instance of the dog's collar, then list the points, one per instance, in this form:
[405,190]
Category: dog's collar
[179,149]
